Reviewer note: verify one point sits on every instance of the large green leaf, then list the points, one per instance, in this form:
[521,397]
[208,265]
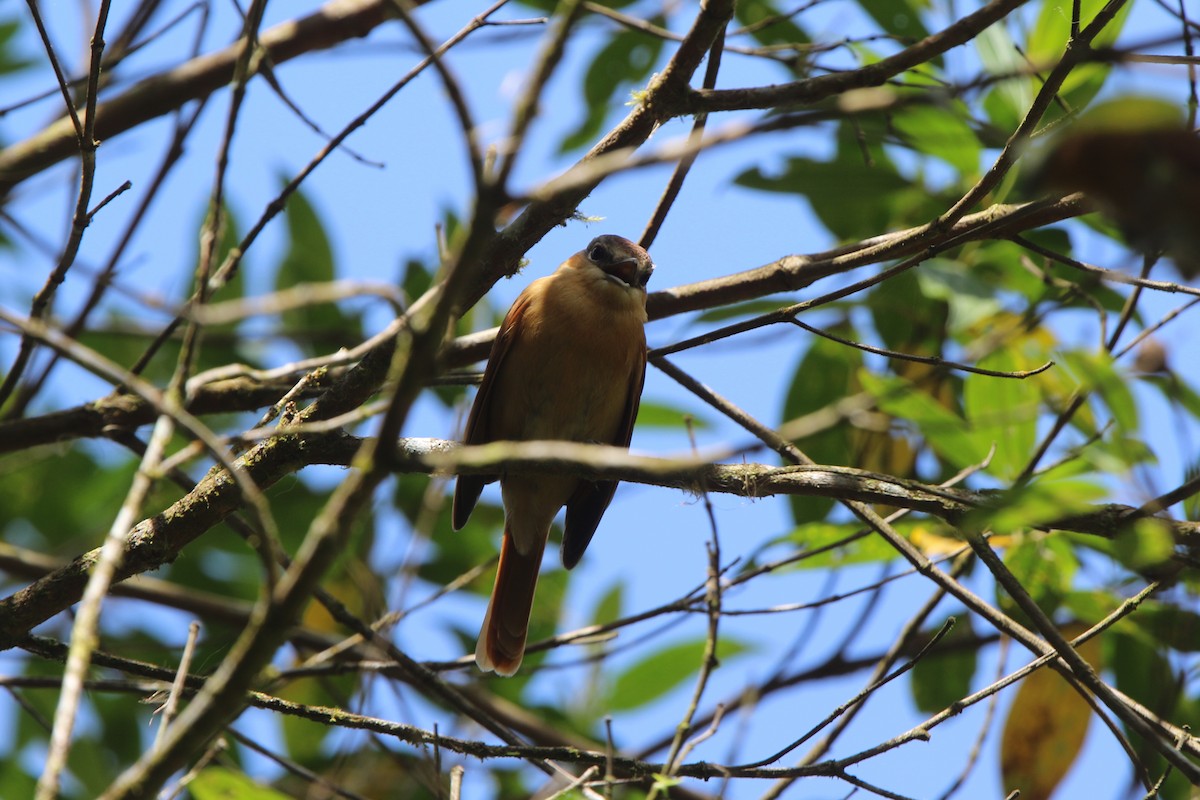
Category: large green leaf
[1143,672]
[835,189]
[626,60]
[859,192]
[815,537]
[782,30]
[941,132]
[15,782]
[1052,496]
[1045,566]
[1048,40]
[825,375]
[1007,102]
[946,432]
[323,327]
[966,293]
[609,606]
[1122,447]
[219,783]
[660,415]
[941,679]
[1003,412]
[900,18]
[10,59]
[1174,627]
[666,669]
[908,316]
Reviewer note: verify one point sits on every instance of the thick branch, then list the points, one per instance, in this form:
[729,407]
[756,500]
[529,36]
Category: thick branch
[821,87]
[743,479]
[158,540]
[126,412]
[160,94]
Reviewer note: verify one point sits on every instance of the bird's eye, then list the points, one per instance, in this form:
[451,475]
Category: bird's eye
[599,253]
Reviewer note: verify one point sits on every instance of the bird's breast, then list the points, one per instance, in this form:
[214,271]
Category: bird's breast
[571,368]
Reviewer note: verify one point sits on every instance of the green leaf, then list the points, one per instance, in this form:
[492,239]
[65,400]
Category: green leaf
[661,415]
[305,738]
[1048,40]
[627,60]
[1176,391]
[969,298]
[1175,627]
[783,29]
[825,375]
[1008,102]
[946,432]
[941,679]
[1191,506]
[1003,412]
[451,553]
[825,182]
[894,313]
[608,607]
[815,537]
[941,132]
[1149,544]
[309,260]
[1045,565]
[899,18]
[15,782]
[219,783]
[1131,113]
[860,168]
[1142,672]
[1051,497]
[1096,372]
[10,61]
[23,479]
[660,672]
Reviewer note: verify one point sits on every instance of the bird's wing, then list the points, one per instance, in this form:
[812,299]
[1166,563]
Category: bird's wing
[587,504]
[468,487]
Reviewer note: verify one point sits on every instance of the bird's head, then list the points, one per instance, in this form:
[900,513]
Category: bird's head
[620,260]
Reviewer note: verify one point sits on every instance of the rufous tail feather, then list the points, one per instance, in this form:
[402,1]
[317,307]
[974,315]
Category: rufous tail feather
[502,640]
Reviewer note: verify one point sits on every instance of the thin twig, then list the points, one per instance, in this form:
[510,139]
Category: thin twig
[708,660]
[932,360]
[185,665]
[695,137]
[524,110]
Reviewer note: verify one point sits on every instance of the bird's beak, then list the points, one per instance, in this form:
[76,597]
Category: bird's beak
[643,272]
[630,272]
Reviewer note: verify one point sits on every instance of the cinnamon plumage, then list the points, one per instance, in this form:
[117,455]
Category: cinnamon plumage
[567,364]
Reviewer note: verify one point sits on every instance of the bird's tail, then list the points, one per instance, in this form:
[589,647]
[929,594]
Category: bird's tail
[502,640]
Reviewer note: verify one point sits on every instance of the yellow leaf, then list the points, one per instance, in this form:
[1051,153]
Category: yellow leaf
[1046,727]
[932,543]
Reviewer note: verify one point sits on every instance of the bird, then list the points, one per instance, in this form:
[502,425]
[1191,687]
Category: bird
[1146,180]
[568,363]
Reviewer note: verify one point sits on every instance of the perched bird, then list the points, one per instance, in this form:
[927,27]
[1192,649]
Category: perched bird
[1145,180]
[567,364]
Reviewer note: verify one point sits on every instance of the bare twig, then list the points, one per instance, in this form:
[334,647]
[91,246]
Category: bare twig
[185,665]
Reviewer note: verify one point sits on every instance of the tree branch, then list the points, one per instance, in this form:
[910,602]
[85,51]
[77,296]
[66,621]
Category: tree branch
[335,22]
